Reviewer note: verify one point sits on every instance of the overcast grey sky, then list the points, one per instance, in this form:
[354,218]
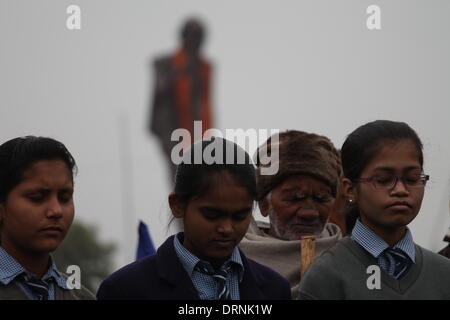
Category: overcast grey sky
[291,64]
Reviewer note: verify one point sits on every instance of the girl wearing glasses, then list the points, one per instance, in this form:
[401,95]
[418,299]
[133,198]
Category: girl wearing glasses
[384,182]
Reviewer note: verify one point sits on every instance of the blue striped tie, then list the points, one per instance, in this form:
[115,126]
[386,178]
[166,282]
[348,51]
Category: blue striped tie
[220,275]
[38,287]
[399,262]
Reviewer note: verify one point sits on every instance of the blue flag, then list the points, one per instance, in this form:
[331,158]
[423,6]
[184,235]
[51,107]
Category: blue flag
[145,245]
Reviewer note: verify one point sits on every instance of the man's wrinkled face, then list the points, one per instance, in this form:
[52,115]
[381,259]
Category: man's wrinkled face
[299,206]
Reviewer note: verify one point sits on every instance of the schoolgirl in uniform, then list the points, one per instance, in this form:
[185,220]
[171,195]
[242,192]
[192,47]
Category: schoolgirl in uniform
[214,199]
[36,212]
[385,184]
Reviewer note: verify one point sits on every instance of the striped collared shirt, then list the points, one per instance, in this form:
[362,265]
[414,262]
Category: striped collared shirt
[11,270]
[206,286]
[376,246]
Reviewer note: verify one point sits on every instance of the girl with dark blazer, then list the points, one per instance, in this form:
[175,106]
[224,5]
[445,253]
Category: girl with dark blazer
[215,203]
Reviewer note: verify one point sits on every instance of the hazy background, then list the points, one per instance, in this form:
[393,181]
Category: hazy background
[307,65]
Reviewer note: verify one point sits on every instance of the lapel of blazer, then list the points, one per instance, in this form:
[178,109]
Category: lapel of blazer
[172,271]
[252,284]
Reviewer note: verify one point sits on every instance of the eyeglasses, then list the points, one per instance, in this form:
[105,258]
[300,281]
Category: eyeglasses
[389,182]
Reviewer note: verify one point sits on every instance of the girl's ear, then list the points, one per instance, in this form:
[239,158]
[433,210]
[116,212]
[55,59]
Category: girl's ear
[175,206]
[264,206]
[349,190]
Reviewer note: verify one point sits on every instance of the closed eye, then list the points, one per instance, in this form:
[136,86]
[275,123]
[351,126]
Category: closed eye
[210,213]
[322,198]
[65,197]
[37,196]
[242,215]
[384,179]
[295,198]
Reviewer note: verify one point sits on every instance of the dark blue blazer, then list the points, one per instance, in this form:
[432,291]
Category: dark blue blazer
[163,277]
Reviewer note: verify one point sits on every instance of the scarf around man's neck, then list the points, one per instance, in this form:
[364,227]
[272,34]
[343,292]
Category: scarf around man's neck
[283,256]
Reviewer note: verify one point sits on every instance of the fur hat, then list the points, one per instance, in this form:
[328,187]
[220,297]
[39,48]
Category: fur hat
[299,153]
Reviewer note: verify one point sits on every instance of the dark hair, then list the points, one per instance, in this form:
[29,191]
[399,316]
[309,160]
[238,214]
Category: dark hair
[193,179]
[19,154]
[362,144]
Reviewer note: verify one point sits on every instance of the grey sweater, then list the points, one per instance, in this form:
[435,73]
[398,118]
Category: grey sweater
[341,273]
[13,292]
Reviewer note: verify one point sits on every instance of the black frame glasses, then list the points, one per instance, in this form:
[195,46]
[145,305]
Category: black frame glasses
[391,182]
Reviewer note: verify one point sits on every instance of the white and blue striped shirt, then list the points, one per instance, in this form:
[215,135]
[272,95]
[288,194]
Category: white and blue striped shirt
[11,270]
[207,287]
[376,246]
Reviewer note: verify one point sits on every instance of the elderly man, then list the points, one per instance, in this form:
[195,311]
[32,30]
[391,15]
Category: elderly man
[298,200]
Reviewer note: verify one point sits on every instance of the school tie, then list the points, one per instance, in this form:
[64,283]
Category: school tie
[399,262]
[220,275]
[38,287]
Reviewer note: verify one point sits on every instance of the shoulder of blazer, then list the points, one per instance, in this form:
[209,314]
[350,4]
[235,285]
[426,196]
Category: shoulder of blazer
[164,264]
[168,266]
[260,272]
